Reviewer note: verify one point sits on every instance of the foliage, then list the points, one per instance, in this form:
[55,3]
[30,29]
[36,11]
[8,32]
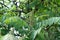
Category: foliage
[32,19]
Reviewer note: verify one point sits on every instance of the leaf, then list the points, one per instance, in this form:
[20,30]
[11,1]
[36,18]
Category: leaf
[34,33]
[49,22]
[15,22]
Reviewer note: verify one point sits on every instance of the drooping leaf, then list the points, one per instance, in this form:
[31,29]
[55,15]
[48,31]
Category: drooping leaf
[15,22]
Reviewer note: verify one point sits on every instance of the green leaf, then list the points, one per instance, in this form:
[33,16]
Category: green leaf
[15,22]
[34,33]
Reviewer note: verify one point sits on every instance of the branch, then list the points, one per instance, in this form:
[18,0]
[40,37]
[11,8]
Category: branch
[3,4]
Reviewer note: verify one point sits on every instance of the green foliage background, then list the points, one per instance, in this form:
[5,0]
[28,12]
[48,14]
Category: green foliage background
[33,19]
